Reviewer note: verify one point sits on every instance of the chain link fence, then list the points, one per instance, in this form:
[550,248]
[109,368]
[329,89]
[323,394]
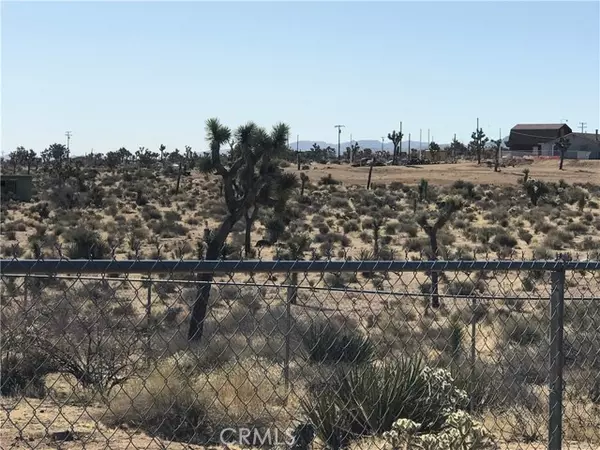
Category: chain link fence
[300,354]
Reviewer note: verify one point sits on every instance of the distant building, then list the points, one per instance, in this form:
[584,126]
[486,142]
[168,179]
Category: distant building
[583,146]
[531,137]
[19,187]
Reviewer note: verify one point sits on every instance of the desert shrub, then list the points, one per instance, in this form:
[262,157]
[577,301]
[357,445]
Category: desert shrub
[172,216]
[328,180]
[542,253]
[557,239]
[523,330]
[458,432]
[505,240]
[338,202]
[150,212]
[466,287]
[350,404]
[327,342]
[525,236]
[588,243]
[351,225]
[416,244]
[577,227]
[409,228]
[23,374]
[85,244]
[164,404]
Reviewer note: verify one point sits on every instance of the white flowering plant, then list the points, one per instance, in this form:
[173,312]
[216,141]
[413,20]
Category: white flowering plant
[460,432]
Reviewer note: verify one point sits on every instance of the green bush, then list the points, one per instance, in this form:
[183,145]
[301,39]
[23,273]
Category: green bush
[368,400]
[329,343]
[23,375]
[86,244]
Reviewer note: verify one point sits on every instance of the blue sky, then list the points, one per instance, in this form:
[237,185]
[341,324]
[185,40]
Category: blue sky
[145,73]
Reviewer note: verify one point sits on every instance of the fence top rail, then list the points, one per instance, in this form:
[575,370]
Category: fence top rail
[65,266]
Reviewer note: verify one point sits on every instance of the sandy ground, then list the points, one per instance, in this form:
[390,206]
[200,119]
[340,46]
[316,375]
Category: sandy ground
[32,424]
[444,174]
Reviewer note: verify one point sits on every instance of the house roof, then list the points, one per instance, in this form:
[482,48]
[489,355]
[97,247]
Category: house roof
[588,136]
[539,126]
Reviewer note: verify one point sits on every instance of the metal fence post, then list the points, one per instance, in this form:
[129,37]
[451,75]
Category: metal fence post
[149,313]
[557,299]
[292,292]
[25,294]
[473,352]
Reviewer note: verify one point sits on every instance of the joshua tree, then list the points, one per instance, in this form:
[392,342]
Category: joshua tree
[396,138]
[535,190]
[249,172]
[432,223]
[303,180]
[562,145]
[55,160]
[434,150]
[478,142]
[296,248]
[497,145]
[423,189]
[162,149]
[377,225]
[525,175]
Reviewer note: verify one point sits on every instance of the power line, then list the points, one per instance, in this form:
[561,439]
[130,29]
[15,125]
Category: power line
[583,125]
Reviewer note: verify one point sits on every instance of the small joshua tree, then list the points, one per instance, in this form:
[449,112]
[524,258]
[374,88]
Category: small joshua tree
[423,188]
[535,190]
[432,222]
[497,145]
[396,138]
[562,145]
[303,180]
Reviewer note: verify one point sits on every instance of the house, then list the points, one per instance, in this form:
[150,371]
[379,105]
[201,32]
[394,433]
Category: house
[530,137]
[582,146]
[17,186]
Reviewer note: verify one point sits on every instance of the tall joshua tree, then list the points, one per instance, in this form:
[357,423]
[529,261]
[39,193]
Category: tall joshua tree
[432,222]
[396,138]
[479,139]
[249,171]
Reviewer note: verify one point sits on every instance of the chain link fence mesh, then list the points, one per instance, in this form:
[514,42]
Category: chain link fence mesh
[299,355]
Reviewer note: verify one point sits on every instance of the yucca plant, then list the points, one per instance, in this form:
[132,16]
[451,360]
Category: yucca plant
[367,400]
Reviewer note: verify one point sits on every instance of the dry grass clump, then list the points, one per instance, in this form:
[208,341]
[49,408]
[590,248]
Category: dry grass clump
[175,403]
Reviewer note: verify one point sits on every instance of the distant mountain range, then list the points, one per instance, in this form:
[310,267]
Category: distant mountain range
[373,144]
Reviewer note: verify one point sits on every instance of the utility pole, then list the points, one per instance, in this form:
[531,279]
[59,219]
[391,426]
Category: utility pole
[298,150]
[400,149]
[420,145]
[408,152]
[583,126]
[68,135]
[428,140]
[339,127]
[382,139]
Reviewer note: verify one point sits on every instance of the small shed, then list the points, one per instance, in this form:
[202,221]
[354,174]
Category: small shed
[19,187]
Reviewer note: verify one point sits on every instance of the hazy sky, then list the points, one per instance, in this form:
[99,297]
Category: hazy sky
[145,73]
